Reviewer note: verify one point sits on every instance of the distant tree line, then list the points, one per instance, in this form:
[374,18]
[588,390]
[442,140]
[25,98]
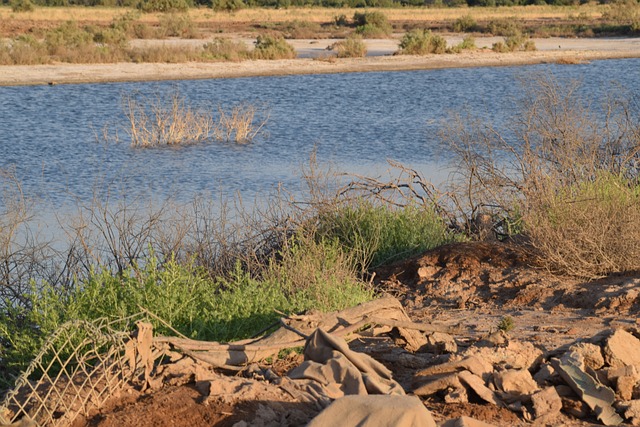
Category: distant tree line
[230,5]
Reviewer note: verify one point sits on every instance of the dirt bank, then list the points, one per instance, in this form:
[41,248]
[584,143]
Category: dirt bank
[318,61]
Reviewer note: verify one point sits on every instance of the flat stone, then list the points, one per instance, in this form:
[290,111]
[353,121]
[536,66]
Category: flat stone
[427,386]
[518,384]
[622,349]
[591,353]
[439,343]
[632,412]
[597,396]
[546,403]
[477,385]
[545,375]
[474,364]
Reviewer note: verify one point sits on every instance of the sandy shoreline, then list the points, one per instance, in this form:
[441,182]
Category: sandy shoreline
[549,50]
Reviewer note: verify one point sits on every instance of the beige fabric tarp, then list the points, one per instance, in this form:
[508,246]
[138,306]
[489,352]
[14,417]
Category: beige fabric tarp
[364,391]
[332,370]
[375,411]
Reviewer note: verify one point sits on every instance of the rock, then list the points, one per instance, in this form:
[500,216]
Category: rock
[597,396]
[475,365]
[465,422]
[622,349]
[516,355]
[518,384]
[632,412]
[626,380]
[591,353]
[574,407]
[439,343]
[426,386]
[546,403]
[456,395]
[545,375]
[477,385]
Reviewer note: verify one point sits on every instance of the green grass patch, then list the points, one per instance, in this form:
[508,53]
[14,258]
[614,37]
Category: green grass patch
[377,235]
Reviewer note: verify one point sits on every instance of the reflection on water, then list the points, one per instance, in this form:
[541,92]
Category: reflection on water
[355,121]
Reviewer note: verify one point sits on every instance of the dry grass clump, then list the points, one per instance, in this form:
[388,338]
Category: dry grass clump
[160,121]
[272,47]
[566,174]
[351,47]
[589,229]
[422,42]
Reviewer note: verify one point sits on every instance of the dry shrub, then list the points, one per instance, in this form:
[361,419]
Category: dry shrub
[169,120]
[589,229]
[560,153]
[154,121]
[225,49]
[351,47]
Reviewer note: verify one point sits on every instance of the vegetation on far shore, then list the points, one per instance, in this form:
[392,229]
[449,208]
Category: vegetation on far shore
[103,35]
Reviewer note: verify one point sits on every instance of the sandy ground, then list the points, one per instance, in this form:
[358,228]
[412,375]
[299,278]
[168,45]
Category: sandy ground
[314,58]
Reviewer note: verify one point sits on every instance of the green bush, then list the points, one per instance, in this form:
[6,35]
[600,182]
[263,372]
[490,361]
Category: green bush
[164,5]
[422,42]
[224,49]
[272,47]
[378,235]
[22,6]
[227,5]
[505,27]
[372,24]
[199,307]
[464,23]
[177,25]
[351,47]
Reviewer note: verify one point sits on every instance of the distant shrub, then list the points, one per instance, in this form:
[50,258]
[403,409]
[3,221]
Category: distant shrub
[224,49]
[22,6]
[301,30]
[513,44]
[272,47]
[177,25]
[164,5]
[505,27]
[422,42]
[341,20]
[227,5]
[464,23]
[351,47]
[372,24]
[467,43]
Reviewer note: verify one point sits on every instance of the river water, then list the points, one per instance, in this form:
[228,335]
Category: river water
[50,136]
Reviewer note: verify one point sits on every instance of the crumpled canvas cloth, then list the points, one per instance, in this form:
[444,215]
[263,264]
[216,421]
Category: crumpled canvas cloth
[332,370]
[375,411]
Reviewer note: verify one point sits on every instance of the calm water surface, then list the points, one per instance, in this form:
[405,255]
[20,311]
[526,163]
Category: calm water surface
[355,121]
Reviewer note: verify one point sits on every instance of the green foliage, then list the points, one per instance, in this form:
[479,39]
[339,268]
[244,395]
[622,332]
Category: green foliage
[464,23]
[505,27]
[422,42]
[272,47]
[227,5]
[378,235]
[22,6]
[506,324]
[372,24]
[351,47]
[224,49]
[164,5]
[202,308]
[177,25]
